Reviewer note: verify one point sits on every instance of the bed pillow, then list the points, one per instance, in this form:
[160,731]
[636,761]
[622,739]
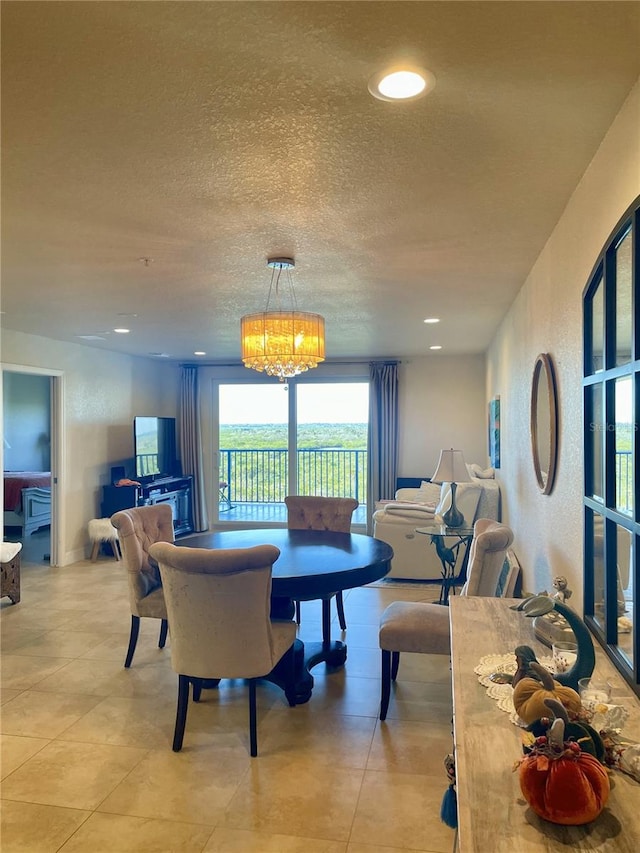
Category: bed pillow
[467,499]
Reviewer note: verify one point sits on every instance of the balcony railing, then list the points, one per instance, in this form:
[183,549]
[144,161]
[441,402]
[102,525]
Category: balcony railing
[262,476]
[624,480]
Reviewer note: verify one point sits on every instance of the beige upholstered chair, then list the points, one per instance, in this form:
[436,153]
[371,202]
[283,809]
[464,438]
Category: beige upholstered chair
[218,603]
[138,529]
[310,512]
[423,627]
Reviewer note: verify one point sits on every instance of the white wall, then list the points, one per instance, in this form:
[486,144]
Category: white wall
[442,404]
[547,317]
[102,393]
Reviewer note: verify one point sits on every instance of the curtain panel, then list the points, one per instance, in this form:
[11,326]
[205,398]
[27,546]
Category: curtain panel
[191,443]
[383,435]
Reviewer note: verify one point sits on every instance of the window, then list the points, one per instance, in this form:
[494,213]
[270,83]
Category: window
[611,400]
[298,438]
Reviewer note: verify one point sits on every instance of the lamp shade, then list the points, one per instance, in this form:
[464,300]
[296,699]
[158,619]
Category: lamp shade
[451,468]
[282,342]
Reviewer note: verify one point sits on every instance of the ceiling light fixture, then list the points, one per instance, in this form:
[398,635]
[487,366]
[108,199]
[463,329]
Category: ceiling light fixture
[432,320]
[121,331]
[401,83]
[436,347]
[282,342]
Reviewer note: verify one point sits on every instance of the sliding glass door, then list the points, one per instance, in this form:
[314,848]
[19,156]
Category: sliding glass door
[331,439]
[253,451]
[299,438]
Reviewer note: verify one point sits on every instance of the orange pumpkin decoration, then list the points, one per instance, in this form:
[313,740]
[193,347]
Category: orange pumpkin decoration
[529,695]
[561,783]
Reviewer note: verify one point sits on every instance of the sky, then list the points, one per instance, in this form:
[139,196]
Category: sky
[333,403]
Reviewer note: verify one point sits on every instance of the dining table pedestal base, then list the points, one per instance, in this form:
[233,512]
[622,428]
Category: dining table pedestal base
[307,654]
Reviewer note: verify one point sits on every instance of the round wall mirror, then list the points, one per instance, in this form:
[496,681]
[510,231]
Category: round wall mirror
[544,423]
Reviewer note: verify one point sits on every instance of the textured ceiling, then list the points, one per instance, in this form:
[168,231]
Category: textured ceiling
[208,136]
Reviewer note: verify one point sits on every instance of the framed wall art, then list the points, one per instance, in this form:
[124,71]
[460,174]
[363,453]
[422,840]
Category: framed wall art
[494,432]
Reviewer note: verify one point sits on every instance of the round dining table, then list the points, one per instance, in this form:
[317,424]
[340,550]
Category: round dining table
[313,564]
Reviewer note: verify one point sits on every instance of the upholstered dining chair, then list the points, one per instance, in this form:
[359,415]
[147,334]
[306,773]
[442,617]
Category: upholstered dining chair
[218,602]
[311,512]
[138,529]
[423,627]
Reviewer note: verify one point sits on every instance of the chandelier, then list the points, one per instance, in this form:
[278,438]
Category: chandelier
[282,342]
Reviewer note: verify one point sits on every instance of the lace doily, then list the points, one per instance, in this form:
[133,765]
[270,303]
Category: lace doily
[611,717]
[503,693]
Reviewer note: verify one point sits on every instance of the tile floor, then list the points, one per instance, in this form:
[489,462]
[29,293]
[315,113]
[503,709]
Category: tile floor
[87,763]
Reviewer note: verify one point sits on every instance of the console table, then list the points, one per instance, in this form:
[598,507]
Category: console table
[176,491]
[492,813]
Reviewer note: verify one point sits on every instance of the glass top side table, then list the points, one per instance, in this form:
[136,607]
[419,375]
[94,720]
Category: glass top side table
[449,554]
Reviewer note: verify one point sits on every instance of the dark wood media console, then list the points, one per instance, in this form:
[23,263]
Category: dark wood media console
[176,491]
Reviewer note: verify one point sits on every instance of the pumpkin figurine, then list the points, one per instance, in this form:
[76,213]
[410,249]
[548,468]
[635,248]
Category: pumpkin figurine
[587,738]
[529,694]
[561,783]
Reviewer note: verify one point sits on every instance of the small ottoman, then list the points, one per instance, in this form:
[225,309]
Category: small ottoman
[101,530]
[10,559]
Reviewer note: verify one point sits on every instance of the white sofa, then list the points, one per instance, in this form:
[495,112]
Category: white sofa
[414,555]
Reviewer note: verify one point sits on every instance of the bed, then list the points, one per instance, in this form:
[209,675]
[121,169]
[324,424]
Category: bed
[27,500]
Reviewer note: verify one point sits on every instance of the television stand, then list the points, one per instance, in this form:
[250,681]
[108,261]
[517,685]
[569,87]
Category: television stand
[176,491]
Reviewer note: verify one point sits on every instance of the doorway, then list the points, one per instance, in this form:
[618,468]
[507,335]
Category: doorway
[32,442]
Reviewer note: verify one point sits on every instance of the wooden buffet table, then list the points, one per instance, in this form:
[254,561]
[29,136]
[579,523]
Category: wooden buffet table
[493,816]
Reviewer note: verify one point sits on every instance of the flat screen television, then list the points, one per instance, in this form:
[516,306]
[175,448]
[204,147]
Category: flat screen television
[154,447]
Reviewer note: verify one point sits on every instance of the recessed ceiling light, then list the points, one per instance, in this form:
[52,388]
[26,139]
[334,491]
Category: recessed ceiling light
[121,331]
[199,352]
[432,320]
[401,83]
[436,347]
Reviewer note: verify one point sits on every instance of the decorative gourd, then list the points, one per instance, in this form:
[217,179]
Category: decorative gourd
[529,694]
[587,738]
[561,783]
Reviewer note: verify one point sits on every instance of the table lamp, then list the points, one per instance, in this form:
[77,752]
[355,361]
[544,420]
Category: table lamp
[452,469]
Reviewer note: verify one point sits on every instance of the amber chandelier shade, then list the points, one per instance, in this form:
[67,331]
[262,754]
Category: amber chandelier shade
[283,342]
